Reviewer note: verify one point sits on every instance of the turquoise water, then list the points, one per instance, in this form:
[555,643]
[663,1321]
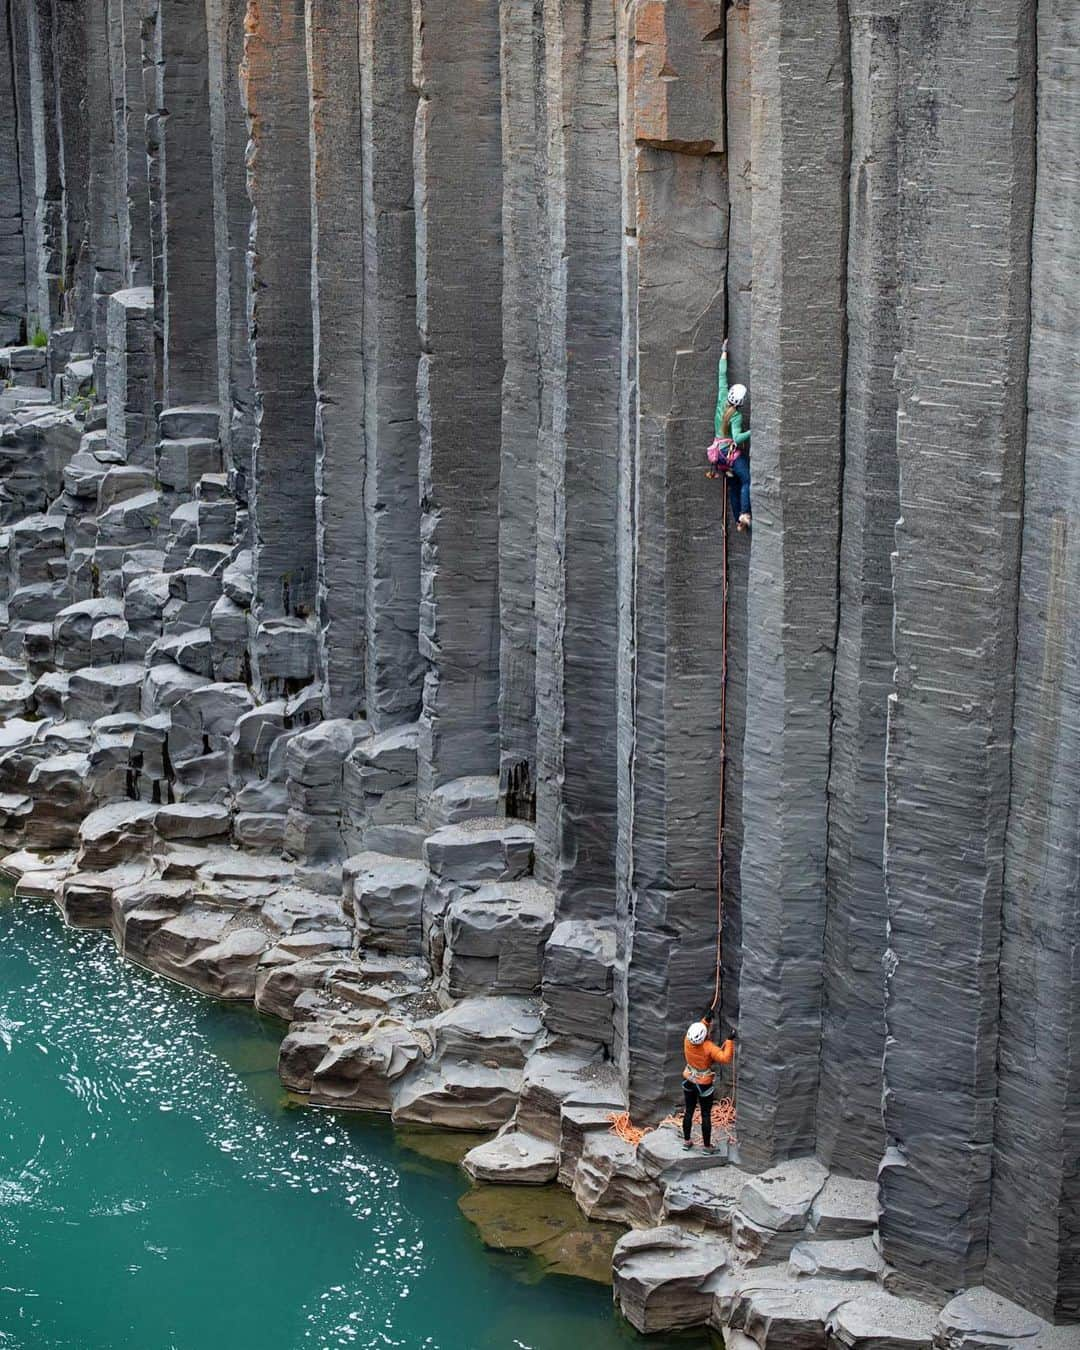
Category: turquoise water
[158,1192]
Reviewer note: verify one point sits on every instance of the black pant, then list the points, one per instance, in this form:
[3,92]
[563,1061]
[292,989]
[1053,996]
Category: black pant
[695,1097]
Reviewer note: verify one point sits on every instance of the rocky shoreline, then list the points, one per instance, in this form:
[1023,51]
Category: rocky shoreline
[780,1261]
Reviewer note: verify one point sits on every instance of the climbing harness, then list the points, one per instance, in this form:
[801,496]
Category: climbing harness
[723,1111]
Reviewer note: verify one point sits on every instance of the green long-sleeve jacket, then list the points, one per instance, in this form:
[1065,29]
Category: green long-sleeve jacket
[735,427]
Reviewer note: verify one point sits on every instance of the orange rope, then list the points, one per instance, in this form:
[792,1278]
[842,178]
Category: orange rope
[723,1112]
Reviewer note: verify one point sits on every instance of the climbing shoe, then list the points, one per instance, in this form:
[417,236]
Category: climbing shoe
[688,1144]
[744,523]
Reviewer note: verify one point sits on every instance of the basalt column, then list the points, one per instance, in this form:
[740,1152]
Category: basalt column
[130,24]
[740,273]
[19,18]
[578,463]
[523,264]
[799,180]
[232,227]
[850,1133]
[279,261]
[77,277]
[680,215]
[104,222]
[12,257]
[190,279]
[337,251]
[966,118]
[458,155]
[395,670]
[48,182]
[1035,1198]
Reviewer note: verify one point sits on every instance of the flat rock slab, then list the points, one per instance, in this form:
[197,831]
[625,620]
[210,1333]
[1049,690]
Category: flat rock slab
[513,1159]
[706,1195]
[845,1208]
[192,820]
[978,1319]
[664,1278]
[781,1198]
[844,1259]
[458,1097]
[495,1032]
[883,1322]
[793,1315]
[662,1155]
[481,850]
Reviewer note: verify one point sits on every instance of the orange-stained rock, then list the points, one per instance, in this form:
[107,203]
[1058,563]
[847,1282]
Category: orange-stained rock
[679,75]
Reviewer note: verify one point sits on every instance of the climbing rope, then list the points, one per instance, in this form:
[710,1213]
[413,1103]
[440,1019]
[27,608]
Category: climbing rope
[723,1112]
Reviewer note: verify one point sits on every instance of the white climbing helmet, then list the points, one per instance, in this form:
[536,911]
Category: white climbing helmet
[697,1033]
[736,395]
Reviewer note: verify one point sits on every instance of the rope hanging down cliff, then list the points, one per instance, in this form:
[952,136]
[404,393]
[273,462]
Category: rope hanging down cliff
[723,1112]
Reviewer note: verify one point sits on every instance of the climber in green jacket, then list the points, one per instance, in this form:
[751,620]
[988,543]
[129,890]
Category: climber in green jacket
[728,455]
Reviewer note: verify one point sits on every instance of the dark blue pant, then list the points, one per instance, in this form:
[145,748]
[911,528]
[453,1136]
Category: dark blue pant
[693,1098]
[738,487]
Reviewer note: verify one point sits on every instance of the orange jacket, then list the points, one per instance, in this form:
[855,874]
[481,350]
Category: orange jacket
[701,1058]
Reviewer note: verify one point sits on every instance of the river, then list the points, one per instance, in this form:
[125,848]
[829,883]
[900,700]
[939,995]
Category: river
[159,1191]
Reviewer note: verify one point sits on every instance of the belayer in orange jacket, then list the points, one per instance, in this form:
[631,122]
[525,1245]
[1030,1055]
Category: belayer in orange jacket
[702,1057]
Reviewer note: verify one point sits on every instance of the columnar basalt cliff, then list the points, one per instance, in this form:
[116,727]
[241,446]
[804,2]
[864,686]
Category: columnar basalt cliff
[364,597]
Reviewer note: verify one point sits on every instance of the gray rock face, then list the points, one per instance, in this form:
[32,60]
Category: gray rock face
[459,232]
[131,390]
[190,270]
[850,1133]
[955,637]
[1035,1203]
[512,1159]
[664,1278]
[791,605]
[356,368]
[274,83]
[395,671]
[495,938]
[337,257]
[523,126]
[577,464]
[676,207]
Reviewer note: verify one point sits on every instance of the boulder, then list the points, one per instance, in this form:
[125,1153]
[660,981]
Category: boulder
[610,1182]
[115,834]
[662,1155]
[781,1198]
[845,1208]
[495,938]
[578,981]
[472,798]
[779,1315]
[193,820]
[457,1096]
[359,1071]
[664,1278]
[576,1123]
[883,1322]
[513,1159]
[978,1319]
[480,850]
[385,897]
[842,1259]
[98,691]
[495,1032]
[555,1075]
[704,1197]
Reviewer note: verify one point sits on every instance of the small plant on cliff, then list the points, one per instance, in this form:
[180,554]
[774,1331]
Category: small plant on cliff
[40,338]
